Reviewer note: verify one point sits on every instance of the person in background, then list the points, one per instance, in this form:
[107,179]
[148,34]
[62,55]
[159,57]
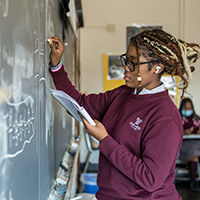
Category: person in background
[137,124]
[190,149]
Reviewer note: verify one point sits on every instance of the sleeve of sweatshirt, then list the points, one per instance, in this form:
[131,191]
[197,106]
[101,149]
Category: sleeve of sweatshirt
[95,104]
[159,152]
[62,82]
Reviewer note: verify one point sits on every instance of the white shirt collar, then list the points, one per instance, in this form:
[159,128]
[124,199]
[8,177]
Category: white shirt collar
[160,88]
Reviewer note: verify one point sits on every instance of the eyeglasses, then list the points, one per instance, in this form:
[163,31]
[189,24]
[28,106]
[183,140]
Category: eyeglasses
[129,64]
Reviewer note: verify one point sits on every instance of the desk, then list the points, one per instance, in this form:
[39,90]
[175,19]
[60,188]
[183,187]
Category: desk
[182,174]
[192,136]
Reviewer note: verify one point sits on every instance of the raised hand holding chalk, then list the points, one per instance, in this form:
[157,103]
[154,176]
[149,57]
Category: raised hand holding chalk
[57,49]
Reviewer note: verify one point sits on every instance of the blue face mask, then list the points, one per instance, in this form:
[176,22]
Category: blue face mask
[187,113]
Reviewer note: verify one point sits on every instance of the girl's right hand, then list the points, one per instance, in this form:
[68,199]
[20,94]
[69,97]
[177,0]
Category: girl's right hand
[57,49]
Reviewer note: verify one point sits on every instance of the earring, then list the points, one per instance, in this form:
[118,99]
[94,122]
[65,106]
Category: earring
[182,96]
[139,79]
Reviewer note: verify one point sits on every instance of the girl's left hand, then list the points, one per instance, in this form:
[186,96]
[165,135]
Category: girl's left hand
[98,131]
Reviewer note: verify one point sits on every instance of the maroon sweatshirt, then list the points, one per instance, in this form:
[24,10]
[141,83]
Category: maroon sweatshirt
[137,160]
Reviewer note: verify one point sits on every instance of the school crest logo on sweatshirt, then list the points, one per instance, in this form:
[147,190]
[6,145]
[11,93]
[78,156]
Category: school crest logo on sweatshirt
[135,125]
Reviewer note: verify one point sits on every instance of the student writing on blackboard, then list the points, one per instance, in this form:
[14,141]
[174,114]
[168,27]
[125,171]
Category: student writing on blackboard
[139,127]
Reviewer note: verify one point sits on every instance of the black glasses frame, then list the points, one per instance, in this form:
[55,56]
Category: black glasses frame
[126,62]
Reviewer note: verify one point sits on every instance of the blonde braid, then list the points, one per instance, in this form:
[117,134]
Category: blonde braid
[153,44]
[185,61]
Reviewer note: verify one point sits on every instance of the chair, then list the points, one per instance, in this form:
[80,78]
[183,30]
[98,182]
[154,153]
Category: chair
[182,174]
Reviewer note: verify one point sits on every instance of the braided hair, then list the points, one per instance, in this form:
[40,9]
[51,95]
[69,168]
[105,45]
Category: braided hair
[176,55]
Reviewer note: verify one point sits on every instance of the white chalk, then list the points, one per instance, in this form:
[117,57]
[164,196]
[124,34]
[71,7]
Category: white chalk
[49,40]
[53,42]
[74,145]
[62,179]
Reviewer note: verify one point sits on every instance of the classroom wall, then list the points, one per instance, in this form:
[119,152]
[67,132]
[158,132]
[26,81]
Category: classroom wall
[178,17]
[192,34]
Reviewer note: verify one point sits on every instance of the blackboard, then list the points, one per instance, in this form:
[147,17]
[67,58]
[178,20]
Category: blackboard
[34,129]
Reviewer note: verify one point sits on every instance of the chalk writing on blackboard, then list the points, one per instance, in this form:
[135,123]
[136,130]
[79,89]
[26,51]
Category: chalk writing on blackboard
[4,4]
[19,126]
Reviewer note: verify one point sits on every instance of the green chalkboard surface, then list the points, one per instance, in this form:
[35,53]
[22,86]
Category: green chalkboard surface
[35,129]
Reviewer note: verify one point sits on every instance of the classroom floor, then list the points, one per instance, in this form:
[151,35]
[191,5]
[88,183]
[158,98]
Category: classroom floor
[184,191]
[183,188]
